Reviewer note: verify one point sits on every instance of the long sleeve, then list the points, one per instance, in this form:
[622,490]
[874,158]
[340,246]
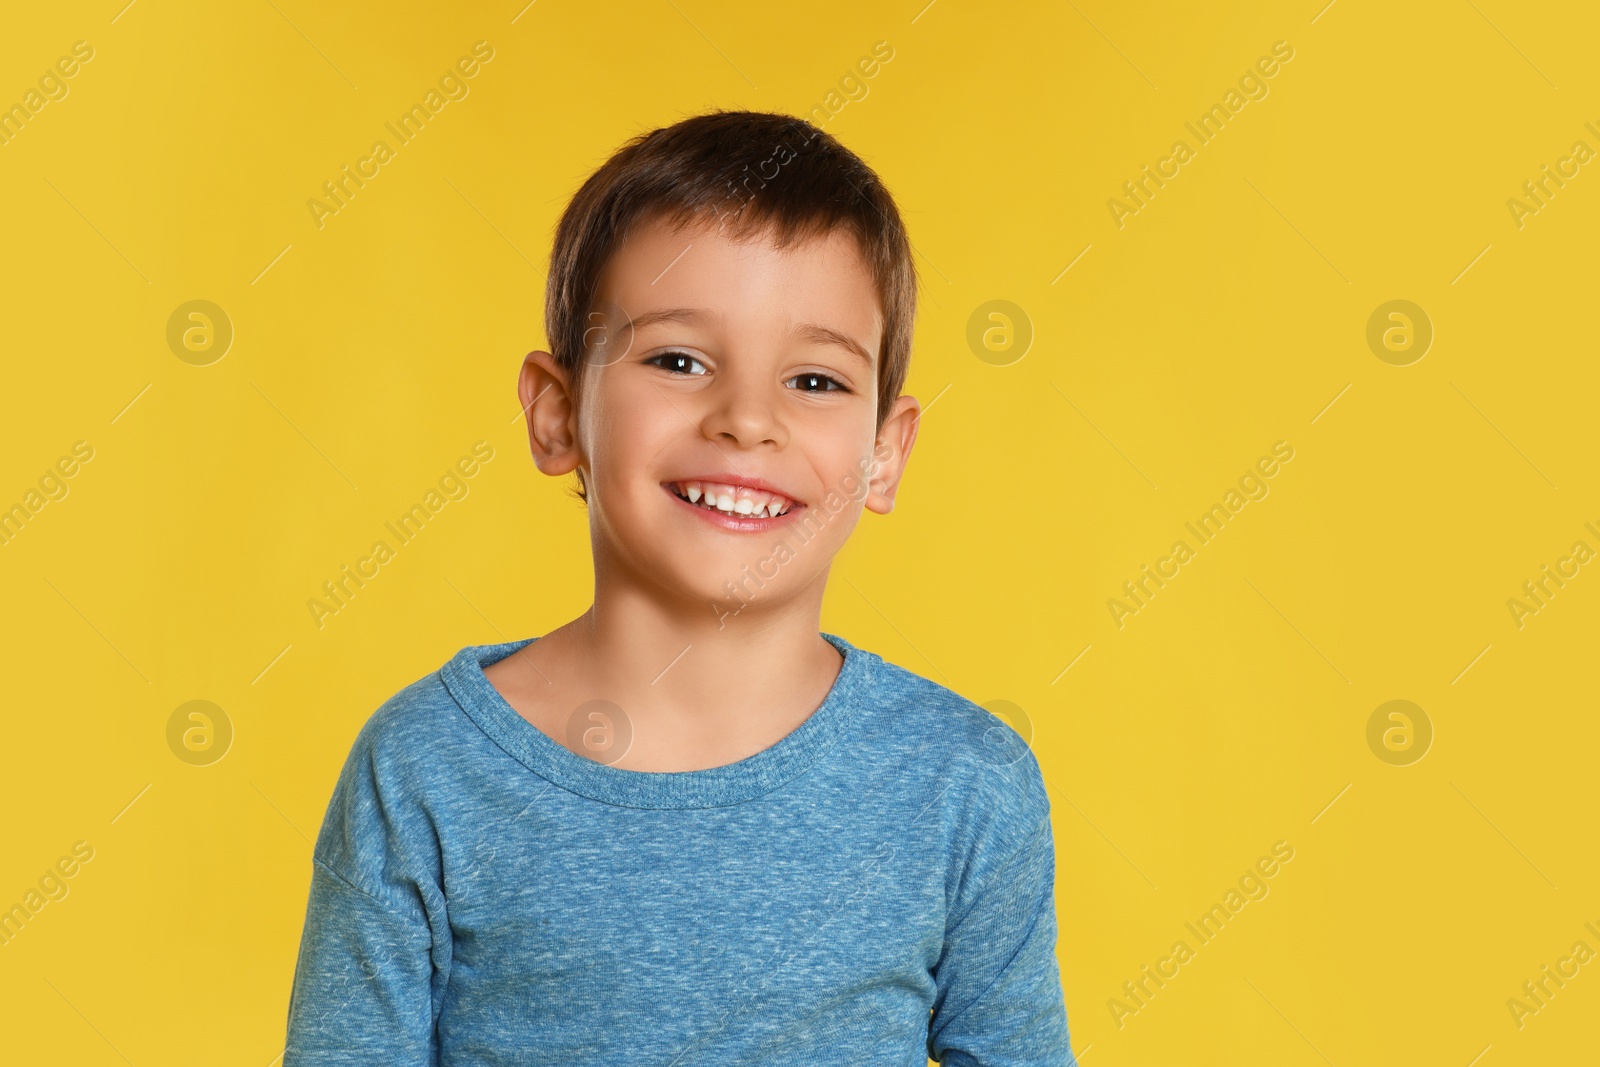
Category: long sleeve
[371,970]
[999,1001]
[362,983]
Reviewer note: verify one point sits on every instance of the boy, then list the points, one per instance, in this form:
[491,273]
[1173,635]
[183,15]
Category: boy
[687,827]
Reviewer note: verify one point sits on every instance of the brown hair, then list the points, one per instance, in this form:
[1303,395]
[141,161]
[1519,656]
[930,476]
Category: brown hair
[759,173]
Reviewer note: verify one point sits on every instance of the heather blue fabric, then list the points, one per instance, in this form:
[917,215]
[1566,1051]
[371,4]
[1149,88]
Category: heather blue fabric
[876,888]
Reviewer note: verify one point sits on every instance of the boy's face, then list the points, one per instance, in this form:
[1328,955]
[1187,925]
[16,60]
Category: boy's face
[725,363]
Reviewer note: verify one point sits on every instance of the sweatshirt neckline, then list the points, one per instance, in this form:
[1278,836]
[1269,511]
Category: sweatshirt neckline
[731,783]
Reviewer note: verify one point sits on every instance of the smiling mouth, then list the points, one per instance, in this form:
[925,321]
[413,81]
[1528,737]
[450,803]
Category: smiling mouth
[732,501]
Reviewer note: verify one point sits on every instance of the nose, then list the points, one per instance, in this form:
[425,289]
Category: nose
[745,409]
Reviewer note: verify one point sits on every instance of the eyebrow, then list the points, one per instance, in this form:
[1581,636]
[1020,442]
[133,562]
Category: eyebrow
[809,331]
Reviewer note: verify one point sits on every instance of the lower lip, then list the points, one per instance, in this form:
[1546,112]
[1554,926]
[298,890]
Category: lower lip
[733,520]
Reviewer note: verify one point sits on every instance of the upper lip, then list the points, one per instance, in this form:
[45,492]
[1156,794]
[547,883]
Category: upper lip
[742,481]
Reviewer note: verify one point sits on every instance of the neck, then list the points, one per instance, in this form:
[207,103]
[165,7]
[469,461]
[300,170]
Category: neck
[663,657]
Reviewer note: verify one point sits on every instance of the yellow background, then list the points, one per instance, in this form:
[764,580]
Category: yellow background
[1229,313]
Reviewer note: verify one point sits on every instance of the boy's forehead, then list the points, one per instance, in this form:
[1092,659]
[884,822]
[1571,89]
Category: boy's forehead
[701,265]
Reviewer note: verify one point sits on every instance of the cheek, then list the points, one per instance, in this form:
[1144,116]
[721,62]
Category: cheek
[849,461]
[841,486]
[626,431]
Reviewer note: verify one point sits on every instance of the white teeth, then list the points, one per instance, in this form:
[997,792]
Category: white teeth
[729,501]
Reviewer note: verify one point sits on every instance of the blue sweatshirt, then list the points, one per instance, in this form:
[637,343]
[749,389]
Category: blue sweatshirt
[877,888]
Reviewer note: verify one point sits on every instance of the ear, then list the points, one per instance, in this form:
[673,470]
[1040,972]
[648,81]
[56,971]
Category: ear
[543,387]
[892,450]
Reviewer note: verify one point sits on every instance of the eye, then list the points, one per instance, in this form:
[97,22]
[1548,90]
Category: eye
[811,379]
[675,359]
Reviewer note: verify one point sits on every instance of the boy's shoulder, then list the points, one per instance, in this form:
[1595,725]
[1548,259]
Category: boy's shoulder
[953,738]
[414,732]
[921,700]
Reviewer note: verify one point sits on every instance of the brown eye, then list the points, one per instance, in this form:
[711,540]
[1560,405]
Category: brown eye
[674,362]
[811,385]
